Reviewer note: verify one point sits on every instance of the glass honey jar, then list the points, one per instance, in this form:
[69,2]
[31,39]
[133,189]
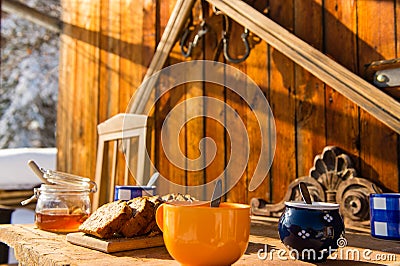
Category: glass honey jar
[63,203]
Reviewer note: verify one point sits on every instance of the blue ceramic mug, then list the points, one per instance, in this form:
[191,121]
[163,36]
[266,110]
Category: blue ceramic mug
[385,215]
[311,232]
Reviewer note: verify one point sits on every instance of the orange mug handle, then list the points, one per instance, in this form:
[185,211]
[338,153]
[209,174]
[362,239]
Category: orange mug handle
[160,216]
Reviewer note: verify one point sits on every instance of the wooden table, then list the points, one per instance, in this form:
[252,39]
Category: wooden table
[36,247]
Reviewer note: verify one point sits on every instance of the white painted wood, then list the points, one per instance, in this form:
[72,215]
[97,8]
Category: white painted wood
[120,127]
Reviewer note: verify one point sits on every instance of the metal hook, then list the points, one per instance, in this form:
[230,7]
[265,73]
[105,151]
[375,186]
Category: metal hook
[224,43]
[244,36]
[202,31]
[225,33]
[189,28]
[185,35]
[217,11]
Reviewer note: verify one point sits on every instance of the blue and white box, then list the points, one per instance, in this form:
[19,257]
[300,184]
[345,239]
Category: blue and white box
[130,192]
[385,215]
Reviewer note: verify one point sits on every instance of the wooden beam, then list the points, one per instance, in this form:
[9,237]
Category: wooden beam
[31,14]
[356,89]
[175,24]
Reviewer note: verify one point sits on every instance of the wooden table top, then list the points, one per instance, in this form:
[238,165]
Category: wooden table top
[36,247]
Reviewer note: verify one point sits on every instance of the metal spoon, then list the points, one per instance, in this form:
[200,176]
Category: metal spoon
[217,194]
[153,179]
[305,194]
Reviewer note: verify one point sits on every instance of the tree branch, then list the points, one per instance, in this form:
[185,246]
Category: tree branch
[31,14]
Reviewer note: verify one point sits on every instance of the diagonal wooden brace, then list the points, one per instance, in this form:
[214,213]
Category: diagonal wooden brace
[370,98]
[175,24]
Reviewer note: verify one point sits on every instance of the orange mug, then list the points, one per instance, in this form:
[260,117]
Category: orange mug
[201,235]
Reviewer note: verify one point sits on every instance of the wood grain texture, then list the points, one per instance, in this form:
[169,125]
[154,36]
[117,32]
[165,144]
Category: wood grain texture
[342,115]
[379,145]
[175,24]
[130,74]
[309,91]
[282,97]
[167,101]
[239,191]
[122,37]
[66,87]
[86,77]
[257,69]
[214,127]
[91,96]
[131,37]
[32,247]
[114,244]
[109,61]
[397,14]
[382,106]
[194,128]
[148,47]
[109,100]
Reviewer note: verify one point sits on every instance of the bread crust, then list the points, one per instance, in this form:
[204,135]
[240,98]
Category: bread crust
[142,215]
[107,219]
[128,218]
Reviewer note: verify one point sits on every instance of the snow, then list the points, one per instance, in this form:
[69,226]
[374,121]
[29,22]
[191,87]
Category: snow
[29,80]
[16,174]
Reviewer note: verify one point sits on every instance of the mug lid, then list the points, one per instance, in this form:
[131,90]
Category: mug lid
[314,206]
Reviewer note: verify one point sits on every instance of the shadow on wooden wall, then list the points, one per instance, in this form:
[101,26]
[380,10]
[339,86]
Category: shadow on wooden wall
[309,114]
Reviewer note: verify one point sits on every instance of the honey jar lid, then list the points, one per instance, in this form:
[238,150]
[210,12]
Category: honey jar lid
[59,181]
[69,180]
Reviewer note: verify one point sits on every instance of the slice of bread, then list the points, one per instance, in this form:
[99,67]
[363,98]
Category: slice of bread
[128,218]
[143,211]
[107,220]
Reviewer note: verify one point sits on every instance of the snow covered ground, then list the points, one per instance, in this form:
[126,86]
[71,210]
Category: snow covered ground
[29,79]
[16,174]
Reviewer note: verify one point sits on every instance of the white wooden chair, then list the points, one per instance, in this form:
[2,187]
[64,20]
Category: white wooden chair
[121,127]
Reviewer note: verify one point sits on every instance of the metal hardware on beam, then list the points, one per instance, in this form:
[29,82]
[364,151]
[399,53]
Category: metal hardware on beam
[387,78]
[356,89]
[368,97]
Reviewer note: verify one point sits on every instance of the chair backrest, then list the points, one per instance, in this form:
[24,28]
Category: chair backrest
[119,128]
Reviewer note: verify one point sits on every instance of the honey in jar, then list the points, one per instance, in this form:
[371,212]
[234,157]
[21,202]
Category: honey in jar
[63,204]
[56,221]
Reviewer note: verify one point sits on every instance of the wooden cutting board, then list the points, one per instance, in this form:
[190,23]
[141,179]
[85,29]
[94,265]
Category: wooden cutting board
[115,244]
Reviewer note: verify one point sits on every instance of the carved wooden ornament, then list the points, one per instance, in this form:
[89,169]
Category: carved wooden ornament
[331,179]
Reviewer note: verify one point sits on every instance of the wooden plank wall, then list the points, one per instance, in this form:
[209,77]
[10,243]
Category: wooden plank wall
[107,45]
